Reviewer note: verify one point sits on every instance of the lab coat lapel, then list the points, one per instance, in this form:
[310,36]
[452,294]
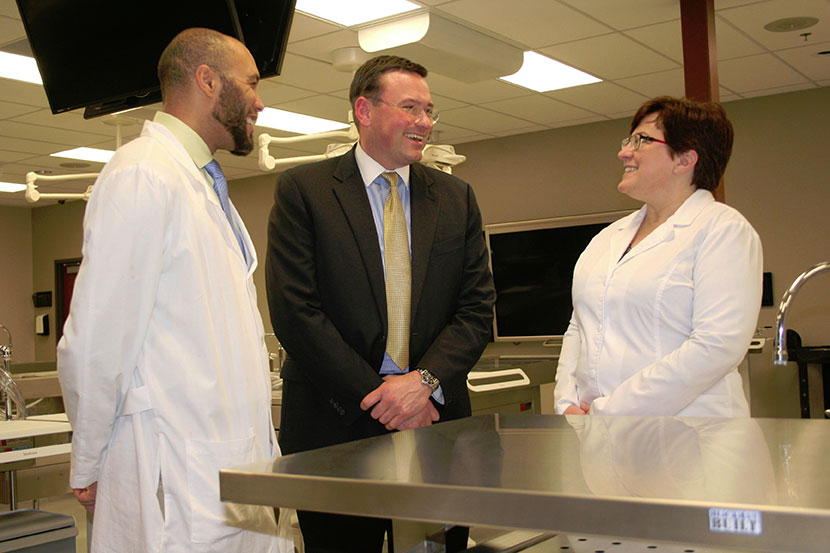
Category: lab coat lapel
[203,187]
[351,194]
[626,229]
[424,214]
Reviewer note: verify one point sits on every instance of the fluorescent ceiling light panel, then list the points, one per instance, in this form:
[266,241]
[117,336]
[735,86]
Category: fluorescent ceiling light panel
[296,122]
[542,74]
[19,68]
[86,154]
[11,187]
[354,12]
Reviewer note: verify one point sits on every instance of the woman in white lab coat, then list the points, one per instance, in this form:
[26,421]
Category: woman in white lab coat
[666,299]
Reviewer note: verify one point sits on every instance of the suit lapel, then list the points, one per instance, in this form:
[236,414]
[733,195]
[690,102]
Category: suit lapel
[351,194]
[424,206]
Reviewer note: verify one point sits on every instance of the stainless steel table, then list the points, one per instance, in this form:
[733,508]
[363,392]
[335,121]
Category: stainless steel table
[749,484]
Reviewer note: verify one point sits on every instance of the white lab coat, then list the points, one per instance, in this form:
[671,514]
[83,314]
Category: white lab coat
[662,330]
[163,361]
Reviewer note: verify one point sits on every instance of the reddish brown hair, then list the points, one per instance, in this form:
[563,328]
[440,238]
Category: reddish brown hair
[699,126]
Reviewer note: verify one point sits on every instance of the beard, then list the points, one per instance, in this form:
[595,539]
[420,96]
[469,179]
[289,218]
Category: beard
[232,114]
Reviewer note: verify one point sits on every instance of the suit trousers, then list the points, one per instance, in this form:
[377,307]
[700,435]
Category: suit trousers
[328,533]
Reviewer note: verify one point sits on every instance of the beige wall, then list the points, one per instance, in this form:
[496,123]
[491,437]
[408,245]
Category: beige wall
[778,178]
[17,311]
[57,234]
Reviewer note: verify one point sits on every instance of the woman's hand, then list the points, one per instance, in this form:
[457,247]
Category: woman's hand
[574,410]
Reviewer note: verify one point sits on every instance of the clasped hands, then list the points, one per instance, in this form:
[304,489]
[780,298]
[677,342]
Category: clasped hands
[401,402]
[584,409]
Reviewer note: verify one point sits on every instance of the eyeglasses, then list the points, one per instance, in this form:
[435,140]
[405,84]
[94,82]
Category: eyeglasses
[636,140]
[416,112]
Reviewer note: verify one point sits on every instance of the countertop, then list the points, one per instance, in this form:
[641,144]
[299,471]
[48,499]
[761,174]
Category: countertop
[751,484]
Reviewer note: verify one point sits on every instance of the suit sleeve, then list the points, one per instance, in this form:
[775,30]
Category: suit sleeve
[294,300]
[460,344]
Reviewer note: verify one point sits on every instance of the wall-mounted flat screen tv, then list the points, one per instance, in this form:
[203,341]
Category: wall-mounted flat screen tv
[532,263]
[102,54]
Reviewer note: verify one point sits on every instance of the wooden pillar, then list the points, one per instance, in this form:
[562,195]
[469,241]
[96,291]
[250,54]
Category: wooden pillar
[700,63]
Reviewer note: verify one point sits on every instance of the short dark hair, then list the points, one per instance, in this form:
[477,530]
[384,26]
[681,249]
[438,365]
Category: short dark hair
[699,126]
[188,50]
[366,81]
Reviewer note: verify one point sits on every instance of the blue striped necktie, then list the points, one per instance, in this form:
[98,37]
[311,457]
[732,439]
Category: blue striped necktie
[220,185]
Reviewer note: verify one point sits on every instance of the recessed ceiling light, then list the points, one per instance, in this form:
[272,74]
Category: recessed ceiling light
[543,74]
[11,187]
[296,122]
[19,68]
[354,12]
[86,154]
[788,24]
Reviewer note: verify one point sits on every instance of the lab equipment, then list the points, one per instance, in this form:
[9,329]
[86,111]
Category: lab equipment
[11,392]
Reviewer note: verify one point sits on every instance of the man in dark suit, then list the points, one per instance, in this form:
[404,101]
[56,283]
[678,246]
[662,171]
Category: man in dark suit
[329,264]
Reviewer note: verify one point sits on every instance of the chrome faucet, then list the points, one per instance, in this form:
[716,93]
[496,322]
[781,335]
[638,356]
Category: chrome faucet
[780,357]
[7,383]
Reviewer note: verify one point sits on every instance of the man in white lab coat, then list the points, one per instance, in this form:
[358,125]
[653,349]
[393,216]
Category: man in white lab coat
[163,361]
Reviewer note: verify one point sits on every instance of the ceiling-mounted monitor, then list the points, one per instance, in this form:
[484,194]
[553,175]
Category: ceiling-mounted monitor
[102,55]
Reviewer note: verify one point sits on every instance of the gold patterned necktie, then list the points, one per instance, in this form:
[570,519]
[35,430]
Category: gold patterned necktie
[398,274]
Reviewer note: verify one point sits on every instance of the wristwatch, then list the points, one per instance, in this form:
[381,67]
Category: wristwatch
[429,379]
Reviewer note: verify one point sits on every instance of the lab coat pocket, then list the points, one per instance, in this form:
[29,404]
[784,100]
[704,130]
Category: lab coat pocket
[211,519]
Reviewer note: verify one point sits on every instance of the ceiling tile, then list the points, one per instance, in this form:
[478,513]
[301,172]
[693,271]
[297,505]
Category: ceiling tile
[273,94]
[9,110]
[311,74]
[733,43]
[592,56]
[600,98]
[11,30]
[321,105]
[751,20]
[625,15]
[539,109]
[556,22]
[482,120]
[807,60]
[305,26]
[448,134]
[474,93]
[671,83]
[777,90]
[23,93]
[743,75]
[321,47]
[8,8]
[7,156]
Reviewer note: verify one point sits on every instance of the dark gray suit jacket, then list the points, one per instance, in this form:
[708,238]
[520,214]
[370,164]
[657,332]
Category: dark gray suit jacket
[327,298]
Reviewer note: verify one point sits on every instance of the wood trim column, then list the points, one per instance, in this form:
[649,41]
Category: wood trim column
[700,63]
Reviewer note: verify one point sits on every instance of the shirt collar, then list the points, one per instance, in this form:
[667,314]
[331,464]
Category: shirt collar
[370,169]
[193,144]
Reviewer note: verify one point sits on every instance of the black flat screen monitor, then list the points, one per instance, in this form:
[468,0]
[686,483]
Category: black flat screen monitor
[532,264]
[102,54]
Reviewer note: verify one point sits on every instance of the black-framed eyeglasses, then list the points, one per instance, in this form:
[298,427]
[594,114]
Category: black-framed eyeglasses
[416,112]
[637,139]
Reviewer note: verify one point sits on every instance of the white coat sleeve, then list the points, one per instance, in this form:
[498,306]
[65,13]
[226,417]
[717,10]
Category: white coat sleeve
[113,298]
[566,393]
[727,298]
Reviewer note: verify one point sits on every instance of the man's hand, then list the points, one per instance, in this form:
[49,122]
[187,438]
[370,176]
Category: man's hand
[86,496]
[425,417]
[400,397]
